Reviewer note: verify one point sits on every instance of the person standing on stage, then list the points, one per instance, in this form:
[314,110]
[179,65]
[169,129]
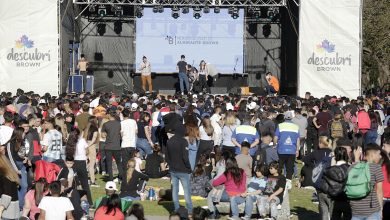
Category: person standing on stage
[82,66]
[273,84]
[146,74]
[183,78]
[203,76]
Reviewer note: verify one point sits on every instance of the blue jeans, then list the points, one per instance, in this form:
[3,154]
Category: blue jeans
[184,178]
[192,151]
[23,183]
[264,205]
[371,137]
[183,78]
[234,202]
[249,205]
[270,90]
[144,147]
[373,216]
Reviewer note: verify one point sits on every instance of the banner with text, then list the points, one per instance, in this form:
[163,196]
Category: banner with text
[329,47]
[29,46]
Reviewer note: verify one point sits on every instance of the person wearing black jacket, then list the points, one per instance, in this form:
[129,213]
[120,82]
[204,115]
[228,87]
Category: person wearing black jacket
[33,141]
[135,182]
[172,119]
[179,166]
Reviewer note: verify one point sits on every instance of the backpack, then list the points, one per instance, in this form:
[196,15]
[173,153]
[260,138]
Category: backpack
[336,129]
[359,181]
[319,169]
[334,179]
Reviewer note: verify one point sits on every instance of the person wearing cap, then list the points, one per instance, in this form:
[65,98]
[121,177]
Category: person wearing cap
[111,189]
[287,141]
[146,74]
[182,67]
[273,84]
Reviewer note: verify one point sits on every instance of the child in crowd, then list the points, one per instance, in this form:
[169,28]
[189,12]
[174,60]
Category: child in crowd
[255,189]
[273,192]
[244,160]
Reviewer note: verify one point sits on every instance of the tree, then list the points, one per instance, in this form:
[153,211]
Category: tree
[376,43]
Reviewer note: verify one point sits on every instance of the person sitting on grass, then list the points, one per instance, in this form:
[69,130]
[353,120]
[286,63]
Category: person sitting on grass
[199,182]
[136,212]
[110,211]
[134,183]
[155,165]
[273,192]
[111,189]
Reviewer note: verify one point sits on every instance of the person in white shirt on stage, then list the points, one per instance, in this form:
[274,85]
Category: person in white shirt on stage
[146,74]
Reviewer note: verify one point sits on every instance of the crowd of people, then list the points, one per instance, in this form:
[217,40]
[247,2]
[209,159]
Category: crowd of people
[223,148]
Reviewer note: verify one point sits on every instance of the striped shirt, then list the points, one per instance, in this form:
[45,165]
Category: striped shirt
[369,204]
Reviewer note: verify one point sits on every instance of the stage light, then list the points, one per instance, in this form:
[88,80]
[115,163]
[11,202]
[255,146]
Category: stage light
[101,29]
[266,30]
[175,12]
[155,9]
[185,10]
[274,15]
[217,10]
[102,11]
[160,9]
[256,13]
[206,9]
[92,8]
[197,13]
[118,10]
[139,12]
[118,27]
[235,12]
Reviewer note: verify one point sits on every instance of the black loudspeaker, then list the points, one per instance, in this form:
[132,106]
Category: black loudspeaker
[98,57]
[218,90]
[257,90]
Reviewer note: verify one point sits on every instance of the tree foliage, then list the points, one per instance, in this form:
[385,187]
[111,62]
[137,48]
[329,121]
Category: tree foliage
[376,43]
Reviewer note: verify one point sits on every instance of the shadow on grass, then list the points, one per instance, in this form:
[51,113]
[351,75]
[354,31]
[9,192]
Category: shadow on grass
[305,214]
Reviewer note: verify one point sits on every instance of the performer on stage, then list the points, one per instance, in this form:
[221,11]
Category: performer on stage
[146,74]
[183,78]
[203,76]
[273,84]
[82,66]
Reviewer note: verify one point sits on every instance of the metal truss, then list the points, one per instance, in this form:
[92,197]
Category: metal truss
[190,3]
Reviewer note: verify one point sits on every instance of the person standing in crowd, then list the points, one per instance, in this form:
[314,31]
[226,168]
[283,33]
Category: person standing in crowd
[171,120]
[386,175]
[9,183]
[192,135]
[312,132]
[179,166]
[135,182]
[82,119]
[146,74]
[183,77]
[33,141]
[129,137]
[55,206]
[322,119]
[287,141]
[273,84]
[144,136]
[301,121]
[111,130]
[227,132]
[82,66]
[370,206]
[91,135]
[6,129]
[248,133]
[206,143]
[203,76]
[52,142]
[102,151]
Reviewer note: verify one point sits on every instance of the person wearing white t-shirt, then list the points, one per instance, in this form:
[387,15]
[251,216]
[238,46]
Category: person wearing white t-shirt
[129,137]
[6,130]
[55,207]
[52,142]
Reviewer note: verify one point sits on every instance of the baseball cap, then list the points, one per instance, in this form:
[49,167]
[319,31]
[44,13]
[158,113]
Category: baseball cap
[110,185]
[288,115]
[134,106]
[251,105]
[229,106]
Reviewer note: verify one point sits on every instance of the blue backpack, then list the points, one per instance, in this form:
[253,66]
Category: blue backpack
[319,169]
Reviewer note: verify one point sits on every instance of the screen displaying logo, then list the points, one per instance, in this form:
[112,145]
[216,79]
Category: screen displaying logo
[25,53]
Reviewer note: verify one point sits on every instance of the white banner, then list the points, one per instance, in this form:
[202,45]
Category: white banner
[29,46]
[329,47]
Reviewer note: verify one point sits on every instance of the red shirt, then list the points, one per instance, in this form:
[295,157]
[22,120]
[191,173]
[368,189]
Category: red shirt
[386,183]
[231,187]
[101,214]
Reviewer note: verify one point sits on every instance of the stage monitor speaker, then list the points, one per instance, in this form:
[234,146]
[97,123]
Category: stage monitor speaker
[218,90]
[257,90]
[98,57]
[167,91]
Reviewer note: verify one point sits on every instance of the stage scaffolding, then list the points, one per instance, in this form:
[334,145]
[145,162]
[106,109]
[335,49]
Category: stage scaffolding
[189,3]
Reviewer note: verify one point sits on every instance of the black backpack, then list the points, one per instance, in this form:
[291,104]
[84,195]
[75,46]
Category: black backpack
[334,179]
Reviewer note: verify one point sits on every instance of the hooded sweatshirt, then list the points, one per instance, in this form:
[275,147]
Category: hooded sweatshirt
[177,152]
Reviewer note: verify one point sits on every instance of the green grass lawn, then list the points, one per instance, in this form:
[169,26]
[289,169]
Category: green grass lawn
[300,201]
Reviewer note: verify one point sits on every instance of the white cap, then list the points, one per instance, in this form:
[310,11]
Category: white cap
[251,105]
[229,106]
[110,185]
[134,105]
